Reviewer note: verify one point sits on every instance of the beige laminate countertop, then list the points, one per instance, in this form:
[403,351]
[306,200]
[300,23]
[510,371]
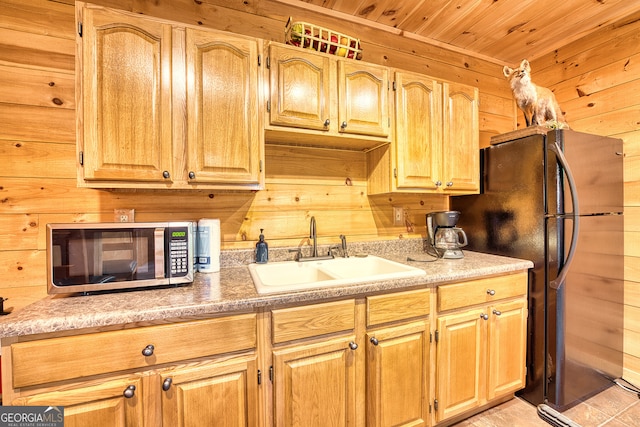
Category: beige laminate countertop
[230,290]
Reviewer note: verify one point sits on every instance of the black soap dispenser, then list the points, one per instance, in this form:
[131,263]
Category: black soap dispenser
[262,250]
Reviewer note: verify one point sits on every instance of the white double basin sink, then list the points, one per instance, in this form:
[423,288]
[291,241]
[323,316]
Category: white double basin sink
[295,276]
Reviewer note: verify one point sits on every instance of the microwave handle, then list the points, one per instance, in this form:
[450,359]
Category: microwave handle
[158,236]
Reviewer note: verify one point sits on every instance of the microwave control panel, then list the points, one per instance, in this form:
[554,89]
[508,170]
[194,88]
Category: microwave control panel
[178,251]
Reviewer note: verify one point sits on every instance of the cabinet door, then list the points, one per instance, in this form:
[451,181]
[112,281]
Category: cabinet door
[461,139]
[363,101]
[397,376]
[460,358]
[315,385]
[418,145]
[224,136]
[507,344]
[108,403]
[126,97]
[300,83]
[223,393]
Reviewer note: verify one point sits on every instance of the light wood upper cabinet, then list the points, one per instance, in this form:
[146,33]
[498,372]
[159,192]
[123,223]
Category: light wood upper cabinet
[125,75]
[224,140]
[461,139]
[436,144]
[164,105]
[418,131]
[299,84]
[318,99]
[363,106]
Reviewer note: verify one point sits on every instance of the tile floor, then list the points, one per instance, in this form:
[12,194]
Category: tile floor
[614,407]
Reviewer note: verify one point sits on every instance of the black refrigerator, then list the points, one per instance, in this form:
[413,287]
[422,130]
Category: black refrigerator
[556,198]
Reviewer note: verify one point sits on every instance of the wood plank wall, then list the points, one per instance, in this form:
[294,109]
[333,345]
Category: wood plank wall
[37,139]
[597,83]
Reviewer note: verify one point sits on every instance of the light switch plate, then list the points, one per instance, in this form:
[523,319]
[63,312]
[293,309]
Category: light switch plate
[398,215]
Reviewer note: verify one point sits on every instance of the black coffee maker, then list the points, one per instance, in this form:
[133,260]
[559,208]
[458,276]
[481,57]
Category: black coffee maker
[444,237]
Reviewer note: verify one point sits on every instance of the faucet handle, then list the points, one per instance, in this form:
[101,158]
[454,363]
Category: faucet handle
[343,239]
[298,252]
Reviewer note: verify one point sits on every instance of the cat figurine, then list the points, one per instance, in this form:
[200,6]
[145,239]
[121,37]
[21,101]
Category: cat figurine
[538,103]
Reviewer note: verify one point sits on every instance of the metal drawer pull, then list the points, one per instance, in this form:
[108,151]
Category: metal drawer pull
[148,350]
[491,292]
[497,313]
[353,346]
[166,384]
[484,316]
[374,340]
[129,392]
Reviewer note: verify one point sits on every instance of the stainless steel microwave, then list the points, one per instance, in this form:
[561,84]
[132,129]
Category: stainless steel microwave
[89,257]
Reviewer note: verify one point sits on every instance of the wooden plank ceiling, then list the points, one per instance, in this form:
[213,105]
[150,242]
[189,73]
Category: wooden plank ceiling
[503,30]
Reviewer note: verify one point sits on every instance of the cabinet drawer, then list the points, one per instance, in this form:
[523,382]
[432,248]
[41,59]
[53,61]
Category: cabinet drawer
[481,291]
[312,320]
[397,306]
[56,359]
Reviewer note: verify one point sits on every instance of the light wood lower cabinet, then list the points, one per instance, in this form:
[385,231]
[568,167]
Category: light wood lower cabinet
[94,403]
[481,346]
[398,375]
[332,360]
[411,358]
[212,393]
[192,373]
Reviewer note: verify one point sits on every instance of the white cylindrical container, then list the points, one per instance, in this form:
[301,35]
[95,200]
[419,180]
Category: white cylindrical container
[208,251]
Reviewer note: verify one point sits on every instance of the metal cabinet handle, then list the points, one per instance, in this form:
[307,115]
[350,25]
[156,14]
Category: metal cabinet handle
[129,392]
[343,125]
[353,346]
[166,384]
[166,174]
[450,184]
[374,340]
[148,350]
[484,316]
[192,175]
[327,123]
[497,313]
[491,292]
[438,183]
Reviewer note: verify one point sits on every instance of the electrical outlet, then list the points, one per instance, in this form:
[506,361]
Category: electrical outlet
[398,216]
[124,215]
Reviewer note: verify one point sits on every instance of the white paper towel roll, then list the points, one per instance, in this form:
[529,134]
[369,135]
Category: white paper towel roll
[208,251]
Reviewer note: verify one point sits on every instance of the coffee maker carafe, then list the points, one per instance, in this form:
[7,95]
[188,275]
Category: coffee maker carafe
[445,238]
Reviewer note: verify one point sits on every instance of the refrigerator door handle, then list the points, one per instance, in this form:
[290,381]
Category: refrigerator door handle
[557,282]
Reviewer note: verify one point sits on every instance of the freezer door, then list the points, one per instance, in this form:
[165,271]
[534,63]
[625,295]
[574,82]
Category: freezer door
[585,315]
[596,165]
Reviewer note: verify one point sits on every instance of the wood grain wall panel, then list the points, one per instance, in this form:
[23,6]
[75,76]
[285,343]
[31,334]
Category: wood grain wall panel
[19,232]
[29,123]
[23,268]
[44,17]
[37,51]
[42,88]
[604,101]
[26,159]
